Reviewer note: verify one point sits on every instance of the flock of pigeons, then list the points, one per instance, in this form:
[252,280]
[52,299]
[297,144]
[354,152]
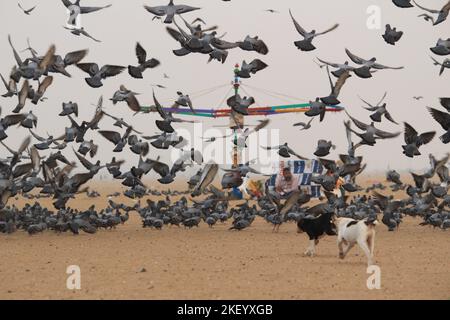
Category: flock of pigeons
[39,164]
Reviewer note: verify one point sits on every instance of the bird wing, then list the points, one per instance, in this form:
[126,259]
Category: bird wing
[271,148]
[359,124]
[426,137]
[290,202]
[297,25]
[340,82]
[418,180]
[389,117]
[96,119]
[445,102]
[66,3]
[443,173]
[8,148]
[37,137]
[382,98]
[158,10]
[85,162]
[381,199]
[112,136]
[176,35]
[74,57]
[386,135]
[85,10]
[159,108]
[380,66]
[410,134]
[328,30]
[23,94]
[111,71]
[355,58]
[292,152]
[4,82]
[12,119]
[48,58]
[90,68]
[111,116]
[442,118]
[16,55]
[133,103]
[334,65]
[45,84]
[423,8]
[141,53]
[161,168]
[262,124]
[223,45]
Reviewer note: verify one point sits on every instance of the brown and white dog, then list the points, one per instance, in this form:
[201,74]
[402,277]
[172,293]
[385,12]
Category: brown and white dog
[351,232]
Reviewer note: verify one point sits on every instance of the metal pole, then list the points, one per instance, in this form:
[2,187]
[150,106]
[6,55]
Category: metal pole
[234,116]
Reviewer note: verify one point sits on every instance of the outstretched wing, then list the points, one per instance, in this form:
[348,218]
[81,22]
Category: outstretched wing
[380,66]
[88,165]
[442,118]
[85,10]
[90,68]
[410,134]
[357,123]
[386,135]
[297,25]
[381,200]
[158,11]
[112,136]
[328,30]
[37,137]
[355,58]
[423,8]
[159,108]
[66,3]
[111,71]
[74,57]
[141,53]
[334,65]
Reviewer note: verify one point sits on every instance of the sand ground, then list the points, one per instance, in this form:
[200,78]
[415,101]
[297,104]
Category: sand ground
[205,263]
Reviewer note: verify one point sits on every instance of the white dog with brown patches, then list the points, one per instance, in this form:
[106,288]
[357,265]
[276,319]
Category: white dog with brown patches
[351,232]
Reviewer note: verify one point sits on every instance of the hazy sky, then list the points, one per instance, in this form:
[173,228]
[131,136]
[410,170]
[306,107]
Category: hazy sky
[290,71]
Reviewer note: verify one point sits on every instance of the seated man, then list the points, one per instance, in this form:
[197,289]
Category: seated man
[286,182]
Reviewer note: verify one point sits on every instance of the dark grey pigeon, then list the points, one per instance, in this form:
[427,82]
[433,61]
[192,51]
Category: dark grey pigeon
[323,148]
[136,71]
[403,3]
[97,74]
[366,65]
[247,69]
[308,37]
[379,110]
[170,10]
[240,105]
[253,44]
[316,108]
[414,141]
[69,108]
[442,47]
[391,35]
